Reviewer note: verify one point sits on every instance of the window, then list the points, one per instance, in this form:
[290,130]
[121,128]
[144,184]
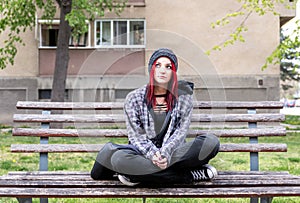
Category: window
[120,33]
[49,35]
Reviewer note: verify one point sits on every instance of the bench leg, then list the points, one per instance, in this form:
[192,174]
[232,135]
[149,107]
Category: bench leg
[266,200]
[262,200]
[43,200]
[144,199]
[24,200]
[254,200]
[29,200]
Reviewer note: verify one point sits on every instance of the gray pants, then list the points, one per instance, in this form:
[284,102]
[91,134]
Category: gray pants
[190,155]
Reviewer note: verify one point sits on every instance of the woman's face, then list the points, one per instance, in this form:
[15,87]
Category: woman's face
[163,71]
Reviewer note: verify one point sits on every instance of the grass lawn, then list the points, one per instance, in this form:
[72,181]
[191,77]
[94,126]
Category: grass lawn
[289,161]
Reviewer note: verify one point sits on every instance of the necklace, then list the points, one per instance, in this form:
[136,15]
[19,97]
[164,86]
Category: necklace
[161,105]
[160,100]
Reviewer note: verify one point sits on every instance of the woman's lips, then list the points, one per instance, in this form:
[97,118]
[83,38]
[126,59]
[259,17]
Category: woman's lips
[162,77]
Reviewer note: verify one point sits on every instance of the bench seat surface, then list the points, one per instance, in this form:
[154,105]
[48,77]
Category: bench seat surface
[80,184]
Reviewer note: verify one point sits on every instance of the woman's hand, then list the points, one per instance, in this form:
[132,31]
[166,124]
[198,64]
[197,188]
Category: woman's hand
[159,161]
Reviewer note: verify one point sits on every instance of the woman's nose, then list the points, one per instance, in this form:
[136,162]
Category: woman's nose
[163,69]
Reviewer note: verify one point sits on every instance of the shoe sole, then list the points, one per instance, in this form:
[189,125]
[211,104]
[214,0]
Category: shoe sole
[212,169]
[126,182]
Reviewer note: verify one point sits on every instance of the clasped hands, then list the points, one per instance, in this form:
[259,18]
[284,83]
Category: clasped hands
[159,160]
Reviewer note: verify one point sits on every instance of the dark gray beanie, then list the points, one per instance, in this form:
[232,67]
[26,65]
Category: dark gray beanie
[162,52]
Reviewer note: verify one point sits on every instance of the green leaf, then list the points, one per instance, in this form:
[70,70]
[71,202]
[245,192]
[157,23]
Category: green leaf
[18,16]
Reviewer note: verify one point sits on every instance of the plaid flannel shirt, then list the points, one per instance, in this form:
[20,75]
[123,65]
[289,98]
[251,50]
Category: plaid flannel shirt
[140,124]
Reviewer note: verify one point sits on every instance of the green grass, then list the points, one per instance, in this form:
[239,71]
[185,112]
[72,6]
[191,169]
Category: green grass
[292,120]
[283,161]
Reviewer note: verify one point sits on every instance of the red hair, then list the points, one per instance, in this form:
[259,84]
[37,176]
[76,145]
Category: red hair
[172,89]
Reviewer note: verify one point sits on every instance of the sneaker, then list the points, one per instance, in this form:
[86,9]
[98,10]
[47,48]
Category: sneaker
[126,181]
[206,172]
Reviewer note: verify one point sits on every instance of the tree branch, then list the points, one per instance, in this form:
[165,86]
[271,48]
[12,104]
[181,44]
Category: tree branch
[236,34]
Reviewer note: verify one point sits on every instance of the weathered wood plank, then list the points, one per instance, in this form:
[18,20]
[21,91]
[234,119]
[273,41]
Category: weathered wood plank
[37,132]
[87,173]
[59,148]
[253,147]
[88,182]
[238,104]
[119,105]
[68,176]
[115,118]
[283,179]
[255,132]
[222,176]
[130,192]
[69,105]
[69,118]
[238,117]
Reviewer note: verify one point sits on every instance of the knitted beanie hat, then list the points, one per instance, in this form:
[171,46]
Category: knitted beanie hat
[162,52]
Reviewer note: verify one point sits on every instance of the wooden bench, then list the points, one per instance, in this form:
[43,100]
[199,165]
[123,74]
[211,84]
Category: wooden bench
[106,120]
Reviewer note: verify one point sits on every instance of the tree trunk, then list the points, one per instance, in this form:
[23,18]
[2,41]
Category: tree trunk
[62,53]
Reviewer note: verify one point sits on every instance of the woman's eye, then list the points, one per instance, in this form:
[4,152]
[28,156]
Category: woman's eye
[169,67]
[157,65]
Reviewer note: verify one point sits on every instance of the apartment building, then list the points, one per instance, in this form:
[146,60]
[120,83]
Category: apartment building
[111,58]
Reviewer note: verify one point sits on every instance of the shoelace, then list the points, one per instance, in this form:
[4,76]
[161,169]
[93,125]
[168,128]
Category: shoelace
[199,175]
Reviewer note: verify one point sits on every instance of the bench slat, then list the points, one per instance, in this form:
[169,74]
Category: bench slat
[119,105]
[96,147]
[69,118]
[131,192]
[89,183]
[257,132]
[263,174]
[50,182]
[114,118]
[238,105]
[86,181]
[84,175]
[69,105]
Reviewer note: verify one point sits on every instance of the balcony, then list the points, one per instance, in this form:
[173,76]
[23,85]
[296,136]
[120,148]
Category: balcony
[285,13]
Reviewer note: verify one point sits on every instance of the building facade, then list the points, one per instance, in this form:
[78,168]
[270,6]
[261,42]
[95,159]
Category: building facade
[111,58]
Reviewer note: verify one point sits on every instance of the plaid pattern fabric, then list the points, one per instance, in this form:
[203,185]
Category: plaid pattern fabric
[140,124]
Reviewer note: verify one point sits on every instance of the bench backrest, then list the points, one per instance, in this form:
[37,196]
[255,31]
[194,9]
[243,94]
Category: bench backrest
[106,120]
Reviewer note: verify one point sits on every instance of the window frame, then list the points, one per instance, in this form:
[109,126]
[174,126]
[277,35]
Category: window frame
[112,45]
[56,22]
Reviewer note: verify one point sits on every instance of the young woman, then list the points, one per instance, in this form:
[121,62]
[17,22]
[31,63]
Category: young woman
[158,116]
